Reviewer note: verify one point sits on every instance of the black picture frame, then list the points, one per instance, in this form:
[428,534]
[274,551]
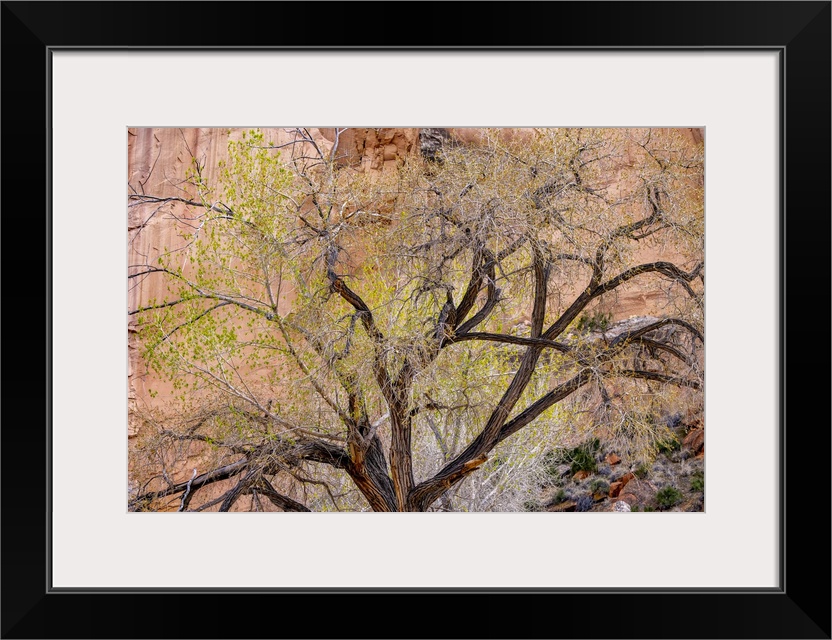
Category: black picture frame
[799,608]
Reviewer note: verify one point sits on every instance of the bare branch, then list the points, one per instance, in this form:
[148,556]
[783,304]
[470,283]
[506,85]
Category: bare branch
[279,500]
[222,473]
[509,339]
[659,377]
[667,269]
[187,492]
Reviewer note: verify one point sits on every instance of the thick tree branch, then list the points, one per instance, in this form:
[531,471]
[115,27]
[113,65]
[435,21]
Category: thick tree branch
[222,473]
[667,269]
[565,319]
[427,492]
[185,495]
[489,274]
[337,285]
[394,393]
[628,336]
[478,271]
[509,339]
[239,489]
[278,499]
[593,291]
[653,345]
[539,406]
[659,377]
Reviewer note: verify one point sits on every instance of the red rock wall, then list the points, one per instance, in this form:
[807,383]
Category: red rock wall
[159,158]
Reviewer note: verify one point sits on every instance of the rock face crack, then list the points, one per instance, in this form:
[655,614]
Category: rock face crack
[431,142]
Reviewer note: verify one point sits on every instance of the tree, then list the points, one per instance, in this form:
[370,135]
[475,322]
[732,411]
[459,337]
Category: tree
[347,339]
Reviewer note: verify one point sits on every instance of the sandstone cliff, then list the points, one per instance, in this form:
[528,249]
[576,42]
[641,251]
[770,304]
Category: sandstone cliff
[159,158]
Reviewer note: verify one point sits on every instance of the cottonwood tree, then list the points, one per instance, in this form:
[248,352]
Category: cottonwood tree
[413,339]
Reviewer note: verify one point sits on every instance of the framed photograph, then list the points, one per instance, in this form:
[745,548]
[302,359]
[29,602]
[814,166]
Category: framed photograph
[748,84]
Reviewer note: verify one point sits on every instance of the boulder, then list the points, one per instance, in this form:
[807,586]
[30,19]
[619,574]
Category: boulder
[569,505]
[629,498]
[694,442]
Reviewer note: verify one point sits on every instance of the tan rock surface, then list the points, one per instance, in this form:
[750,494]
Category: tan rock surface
[158,159]
[694,441]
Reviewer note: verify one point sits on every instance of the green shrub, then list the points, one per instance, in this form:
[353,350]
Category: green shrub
[584,503]
[668,497]
[582,457]
[697,481]
[595,321]
[669,445]
[599,485]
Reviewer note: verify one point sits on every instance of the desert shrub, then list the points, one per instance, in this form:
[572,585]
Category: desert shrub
[697,481]
[532,505]
[668,496]
[584,503]
[582,457]
[599,485]
[673,420]
[595,321]
[669,445]
[642,471]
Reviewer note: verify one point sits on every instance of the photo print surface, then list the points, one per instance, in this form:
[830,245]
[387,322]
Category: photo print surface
[416,319]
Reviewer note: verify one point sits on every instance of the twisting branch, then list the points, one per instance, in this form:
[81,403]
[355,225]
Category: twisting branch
[222,473]
[187,492]
[473,455]
[667,269]
[239,489]
[486,272]
[278,499]
[659,377]
[337,285]
[509,339]
[628,336]
[470,296]
[535,409]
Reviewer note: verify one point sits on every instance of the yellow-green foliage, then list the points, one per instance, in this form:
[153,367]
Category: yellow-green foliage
[251,314]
